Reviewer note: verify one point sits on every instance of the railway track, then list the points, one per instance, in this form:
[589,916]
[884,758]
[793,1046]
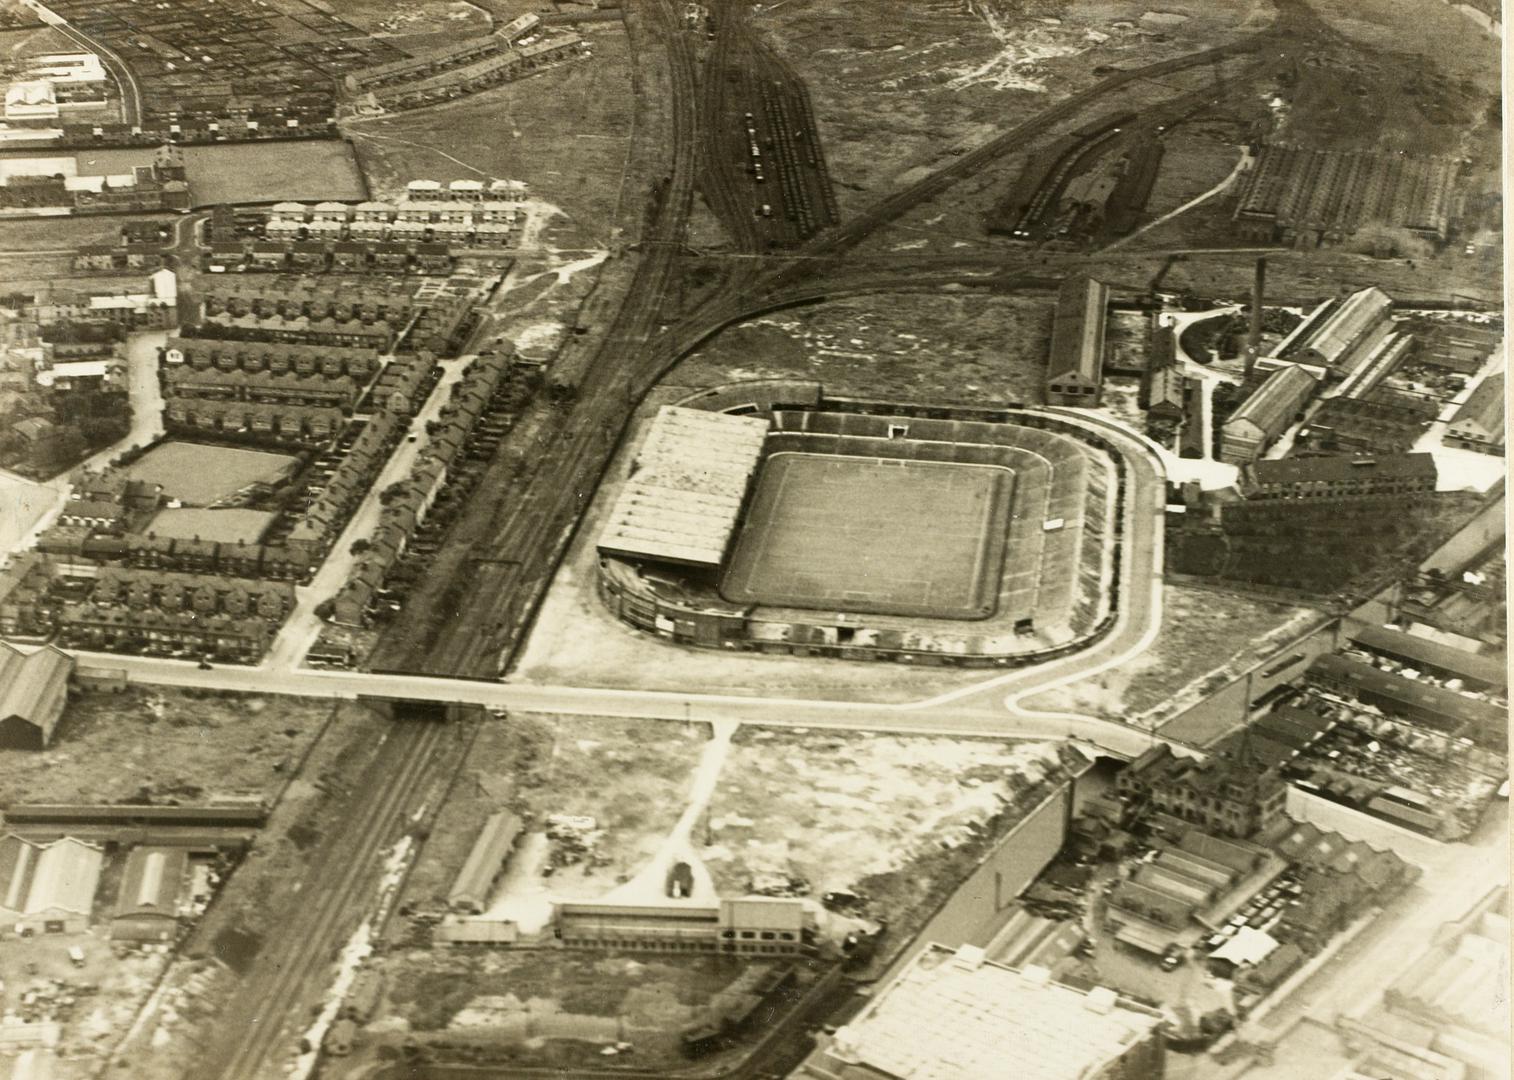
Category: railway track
[293,960]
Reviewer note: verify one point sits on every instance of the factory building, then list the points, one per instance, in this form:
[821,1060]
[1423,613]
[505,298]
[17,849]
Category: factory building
[1308,197]
[958,1016]
[48,888]
[1265,415]
[147,903]
[1341,334]
[1479,423]
[1075,370]
[1338,476]
[1234,797]
[33,693]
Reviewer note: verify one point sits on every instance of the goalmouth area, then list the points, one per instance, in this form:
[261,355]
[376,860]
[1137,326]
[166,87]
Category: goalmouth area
[875,535]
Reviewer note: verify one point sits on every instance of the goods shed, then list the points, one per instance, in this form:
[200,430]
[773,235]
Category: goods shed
[470,893]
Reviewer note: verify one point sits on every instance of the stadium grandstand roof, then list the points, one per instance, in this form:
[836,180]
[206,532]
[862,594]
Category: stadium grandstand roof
[684,497]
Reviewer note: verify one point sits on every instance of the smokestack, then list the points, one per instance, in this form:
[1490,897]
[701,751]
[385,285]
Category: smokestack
[1254,337]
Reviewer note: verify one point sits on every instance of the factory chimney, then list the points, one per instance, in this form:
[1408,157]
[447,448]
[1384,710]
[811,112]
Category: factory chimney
[1254,336]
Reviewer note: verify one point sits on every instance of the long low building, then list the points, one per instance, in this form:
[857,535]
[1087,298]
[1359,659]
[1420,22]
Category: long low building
[751,925]
[1075,368]
[1424,654]
[1338,475]
[1266,414]
[470,892]
[1437,707]
[688,485]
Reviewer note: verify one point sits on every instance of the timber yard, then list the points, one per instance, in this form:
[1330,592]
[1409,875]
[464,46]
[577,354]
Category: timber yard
[818,539]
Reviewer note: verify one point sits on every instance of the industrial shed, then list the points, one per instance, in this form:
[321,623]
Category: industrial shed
[1266,414]
[147,904]
[1075,370]
[48,888]
[33,693]
[687,488]
[470,893]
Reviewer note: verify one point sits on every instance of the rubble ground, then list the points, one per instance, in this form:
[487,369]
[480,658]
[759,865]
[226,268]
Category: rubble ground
[798,813]
[164,744]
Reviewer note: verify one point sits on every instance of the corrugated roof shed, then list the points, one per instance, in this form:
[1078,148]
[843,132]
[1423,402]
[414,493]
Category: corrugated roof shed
[1346,326]
[60,876]
[685,494]
[1274,403]
[152,881]
[471,890]
[1455,710]
[34,688]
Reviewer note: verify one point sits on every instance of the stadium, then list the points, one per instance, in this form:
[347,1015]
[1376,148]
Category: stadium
[764,516]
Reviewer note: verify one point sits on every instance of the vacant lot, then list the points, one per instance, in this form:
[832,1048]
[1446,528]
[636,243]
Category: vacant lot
[897,87]
[895,819]
[230,526]
[200,474]
[164,744]
[564,132]
[893,346]
[1203,632]
[629,776]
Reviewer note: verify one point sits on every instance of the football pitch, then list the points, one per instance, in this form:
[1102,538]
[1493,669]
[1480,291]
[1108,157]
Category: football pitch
[873,535]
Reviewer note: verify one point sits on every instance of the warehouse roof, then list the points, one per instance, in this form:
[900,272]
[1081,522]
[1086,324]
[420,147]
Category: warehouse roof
[1343,328]
[953,1015]
[686,490]
[152,881]
[1425,652]
[1457,710]
[1336,467]
[37,878]
[29,685]
[1273,403]
[1077,334]
[1485,407]
[471,890]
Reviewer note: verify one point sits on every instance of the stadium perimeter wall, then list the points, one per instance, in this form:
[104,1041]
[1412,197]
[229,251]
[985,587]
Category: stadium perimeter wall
[656,603]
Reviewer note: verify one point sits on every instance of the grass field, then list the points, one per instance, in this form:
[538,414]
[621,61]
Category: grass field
[226,526]
[200,474]
[246,172]
[871,535]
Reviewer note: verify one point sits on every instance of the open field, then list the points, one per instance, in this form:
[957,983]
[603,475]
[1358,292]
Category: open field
[856,534]
[897,87]
[628,776]
[891,346]
[229,526]
[309,169]
[164,744]
[564,132]
[1203,631]
[200,474]
[802,811]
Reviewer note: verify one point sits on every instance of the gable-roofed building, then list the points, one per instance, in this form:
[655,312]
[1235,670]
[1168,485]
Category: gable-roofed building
[33,693]
[1341,334]
[1266,414]
[1479,423]
[147,903]
[1230,795]
[485,862]
[1075,367]
[48,888]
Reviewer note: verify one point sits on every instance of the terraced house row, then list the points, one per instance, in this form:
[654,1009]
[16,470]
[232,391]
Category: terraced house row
[407,506]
